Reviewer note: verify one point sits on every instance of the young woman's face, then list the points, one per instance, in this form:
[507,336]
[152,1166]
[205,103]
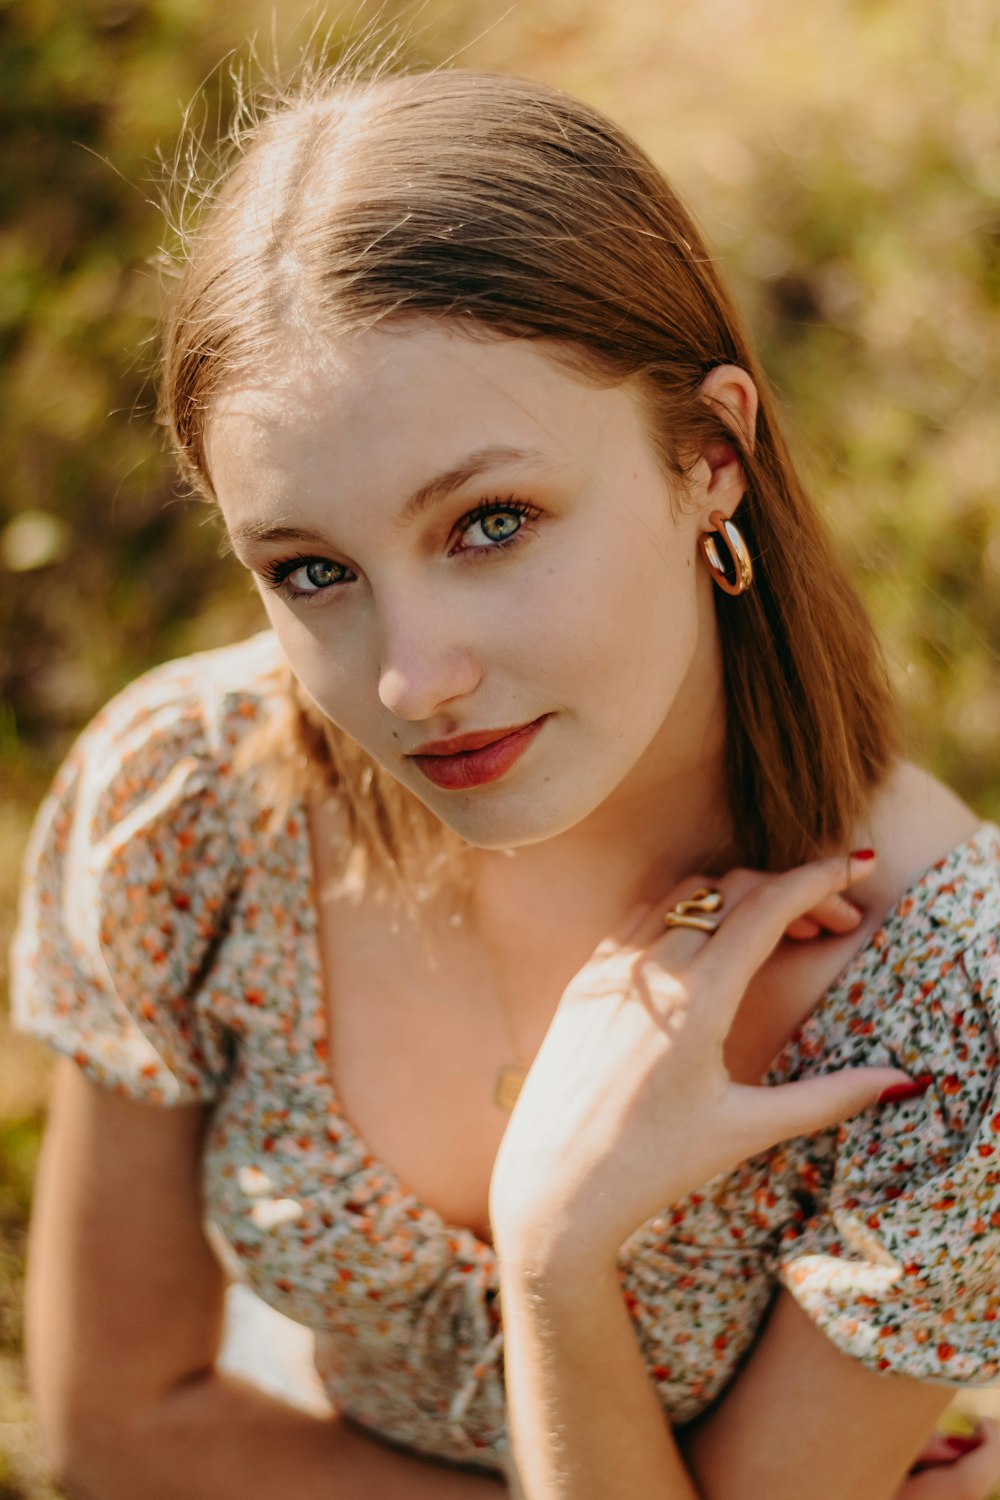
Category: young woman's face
[456,535]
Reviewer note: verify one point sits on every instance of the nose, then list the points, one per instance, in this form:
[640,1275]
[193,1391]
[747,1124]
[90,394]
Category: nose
[426,662]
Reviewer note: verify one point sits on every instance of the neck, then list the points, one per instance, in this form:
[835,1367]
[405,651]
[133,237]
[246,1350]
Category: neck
[669,820]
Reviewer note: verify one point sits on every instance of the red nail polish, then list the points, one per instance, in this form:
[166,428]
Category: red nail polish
[900,1091]
[959,1443]
[862,854]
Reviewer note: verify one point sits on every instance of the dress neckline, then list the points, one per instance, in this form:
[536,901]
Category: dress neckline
[466,1241]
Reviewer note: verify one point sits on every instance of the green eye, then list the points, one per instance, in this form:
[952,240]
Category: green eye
[303,577]
[500,525]
[320,572]
[499,522]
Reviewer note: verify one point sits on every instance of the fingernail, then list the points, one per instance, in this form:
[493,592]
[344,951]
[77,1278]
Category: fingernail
[862,854]
[959,1443]
[900,1091]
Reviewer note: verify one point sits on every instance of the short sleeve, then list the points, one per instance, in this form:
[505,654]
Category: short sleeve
[129,877]
[900,1266]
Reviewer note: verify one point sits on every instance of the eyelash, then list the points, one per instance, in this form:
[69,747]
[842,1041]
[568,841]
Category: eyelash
[276,574]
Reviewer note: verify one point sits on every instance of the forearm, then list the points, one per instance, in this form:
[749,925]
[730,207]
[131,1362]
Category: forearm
[220,1438]
[584,1419]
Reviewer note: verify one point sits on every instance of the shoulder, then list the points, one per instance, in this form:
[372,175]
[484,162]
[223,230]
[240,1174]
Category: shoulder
[172,730]
[137,854]
[934,903]
[938,867]
[209,698]
[146,815]
[900,1266]
[914,823]
[926,969]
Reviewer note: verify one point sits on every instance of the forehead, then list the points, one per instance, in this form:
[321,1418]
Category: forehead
[395,403]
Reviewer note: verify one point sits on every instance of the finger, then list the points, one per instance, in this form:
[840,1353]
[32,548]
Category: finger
[811,1104]
[802,930]
[753,926]
[982,1465]
[944,1448]
[652,928]
[626,932]
[687,942]
[973,1474]
[834,914]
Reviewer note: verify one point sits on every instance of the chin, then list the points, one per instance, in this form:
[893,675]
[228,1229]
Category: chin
[511,827]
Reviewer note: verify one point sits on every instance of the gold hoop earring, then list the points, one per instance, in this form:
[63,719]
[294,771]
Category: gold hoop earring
[737,548]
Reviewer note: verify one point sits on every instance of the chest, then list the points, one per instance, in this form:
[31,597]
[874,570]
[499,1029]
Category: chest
[415,1041]
[418,1030]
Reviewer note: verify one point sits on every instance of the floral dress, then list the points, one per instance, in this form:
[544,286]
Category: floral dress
[168,943]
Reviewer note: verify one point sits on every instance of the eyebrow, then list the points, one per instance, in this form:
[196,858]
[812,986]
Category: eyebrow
[446,483]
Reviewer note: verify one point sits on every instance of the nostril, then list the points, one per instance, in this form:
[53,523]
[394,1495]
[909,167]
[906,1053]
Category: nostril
[423,687]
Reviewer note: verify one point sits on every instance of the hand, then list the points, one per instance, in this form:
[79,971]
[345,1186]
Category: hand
[628,1105]
[949,1470]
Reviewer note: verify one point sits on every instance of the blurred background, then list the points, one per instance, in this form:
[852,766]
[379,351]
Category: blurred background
[844,160]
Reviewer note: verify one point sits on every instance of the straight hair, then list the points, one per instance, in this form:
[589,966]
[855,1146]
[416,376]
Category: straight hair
[513,210]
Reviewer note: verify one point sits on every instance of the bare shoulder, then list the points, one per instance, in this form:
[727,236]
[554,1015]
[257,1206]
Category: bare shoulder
[914,821]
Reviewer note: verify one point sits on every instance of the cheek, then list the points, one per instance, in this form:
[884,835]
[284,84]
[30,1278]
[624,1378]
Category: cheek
[326,676]
[610,610]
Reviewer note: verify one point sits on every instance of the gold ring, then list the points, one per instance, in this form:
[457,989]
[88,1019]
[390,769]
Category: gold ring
[692,912]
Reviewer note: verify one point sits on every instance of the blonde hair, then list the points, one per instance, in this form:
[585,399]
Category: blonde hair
[518,211]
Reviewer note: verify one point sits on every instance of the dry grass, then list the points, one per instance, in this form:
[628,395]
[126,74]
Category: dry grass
[24,1072]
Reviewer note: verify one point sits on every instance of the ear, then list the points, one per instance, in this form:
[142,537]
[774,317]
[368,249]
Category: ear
[717,478]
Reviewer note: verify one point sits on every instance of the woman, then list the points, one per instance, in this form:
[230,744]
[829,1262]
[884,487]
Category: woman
[568,762]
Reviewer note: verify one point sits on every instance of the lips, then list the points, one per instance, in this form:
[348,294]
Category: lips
[476,740]
[477,758]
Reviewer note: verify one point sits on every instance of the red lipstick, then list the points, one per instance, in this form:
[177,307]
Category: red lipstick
[474,759]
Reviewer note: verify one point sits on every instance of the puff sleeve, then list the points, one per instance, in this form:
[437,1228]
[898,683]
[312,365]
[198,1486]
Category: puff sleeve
[900,1263]
[129,876]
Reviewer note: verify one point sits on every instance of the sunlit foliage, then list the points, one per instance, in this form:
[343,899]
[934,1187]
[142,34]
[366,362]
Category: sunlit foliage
[844,159]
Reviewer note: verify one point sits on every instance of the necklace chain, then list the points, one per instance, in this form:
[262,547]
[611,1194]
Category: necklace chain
[510,1077]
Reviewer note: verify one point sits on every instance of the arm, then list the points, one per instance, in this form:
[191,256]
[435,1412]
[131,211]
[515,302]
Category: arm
[124,1309]
[635,1058]
[803,1419]
[585,1420]
[801,1408]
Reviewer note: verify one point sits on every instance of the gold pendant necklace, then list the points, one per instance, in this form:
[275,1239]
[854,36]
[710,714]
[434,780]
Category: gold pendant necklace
[510,1077]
